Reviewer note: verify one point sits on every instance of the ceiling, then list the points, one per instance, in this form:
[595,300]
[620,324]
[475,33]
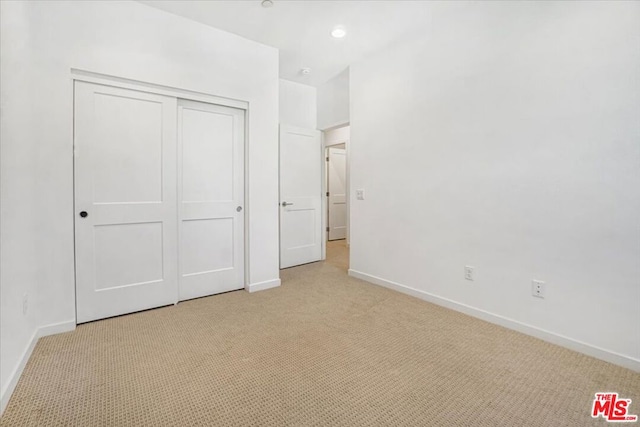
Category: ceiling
[301,29]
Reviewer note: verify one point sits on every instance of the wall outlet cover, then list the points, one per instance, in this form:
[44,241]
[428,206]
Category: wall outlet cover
[538,288]
[468,272]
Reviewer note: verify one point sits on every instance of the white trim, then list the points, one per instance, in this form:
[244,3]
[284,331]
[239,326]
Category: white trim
[57,328]
[40,332]
[246,201]
[297,130]
[336,126]
[140,86]
[323,196]
[261,286]
[17,372]
[548,336]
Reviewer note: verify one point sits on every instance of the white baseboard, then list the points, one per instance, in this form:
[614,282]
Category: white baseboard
[261,286]
[57,328]
[551,337]
[42,331]
[17,372]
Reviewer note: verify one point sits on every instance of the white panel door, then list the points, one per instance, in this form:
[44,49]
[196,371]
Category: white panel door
[336,176]
[125,201]
[300,196]
[211,198]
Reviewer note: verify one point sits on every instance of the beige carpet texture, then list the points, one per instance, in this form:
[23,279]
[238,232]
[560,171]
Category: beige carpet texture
[323,349]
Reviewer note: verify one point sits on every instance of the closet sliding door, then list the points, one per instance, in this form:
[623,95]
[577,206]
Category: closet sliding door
[211,198]
[125,201]
[159,200]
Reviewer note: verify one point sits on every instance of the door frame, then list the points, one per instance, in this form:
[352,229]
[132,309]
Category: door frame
[325,204]
[140,86]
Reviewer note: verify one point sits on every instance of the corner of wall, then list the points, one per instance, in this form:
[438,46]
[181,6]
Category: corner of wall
[333,101]
[14,377]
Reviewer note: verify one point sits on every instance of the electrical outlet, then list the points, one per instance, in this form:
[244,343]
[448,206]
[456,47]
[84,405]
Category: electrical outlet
[537,288]
[360,194]
[25,304]
[468,272]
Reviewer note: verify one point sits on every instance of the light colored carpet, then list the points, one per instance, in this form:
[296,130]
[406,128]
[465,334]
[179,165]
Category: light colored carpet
[322,350]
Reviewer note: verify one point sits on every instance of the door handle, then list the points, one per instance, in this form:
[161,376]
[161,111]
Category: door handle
[84,214]
[286,204]
[239,209]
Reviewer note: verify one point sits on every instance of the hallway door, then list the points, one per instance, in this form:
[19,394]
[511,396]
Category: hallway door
[300,196]
[336,187]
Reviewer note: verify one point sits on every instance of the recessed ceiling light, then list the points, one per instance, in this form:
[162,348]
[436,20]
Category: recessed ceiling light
[305,71]
[267,3]
[338,32]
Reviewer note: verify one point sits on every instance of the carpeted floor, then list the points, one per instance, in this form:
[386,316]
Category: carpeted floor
[322,350]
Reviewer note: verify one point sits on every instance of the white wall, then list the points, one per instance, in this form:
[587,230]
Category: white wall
[41,43]
[298,105]
[333,102]
[507,138]
[18,186]
[337,136]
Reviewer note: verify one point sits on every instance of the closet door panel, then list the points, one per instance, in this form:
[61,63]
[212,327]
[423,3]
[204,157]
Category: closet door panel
[211,198]
[125,200]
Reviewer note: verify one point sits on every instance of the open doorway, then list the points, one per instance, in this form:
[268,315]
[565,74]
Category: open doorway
[336,200]
[336,172]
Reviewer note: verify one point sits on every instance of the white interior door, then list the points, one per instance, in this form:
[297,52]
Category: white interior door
[300,196]
[125,201]
[336,177]
[211,195]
